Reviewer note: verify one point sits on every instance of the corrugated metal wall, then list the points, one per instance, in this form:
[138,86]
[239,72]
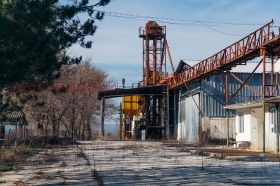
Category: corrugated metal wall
[188,119]
[212,92]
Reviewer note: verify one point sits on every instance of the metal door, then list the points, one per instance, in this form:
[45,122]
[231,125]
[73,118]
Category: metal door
[192,118]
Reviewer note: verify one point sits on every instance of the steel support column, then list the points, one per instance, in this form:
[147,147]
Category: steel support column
[147,61]
[147,122]
[263,52]
[167,115]
[153,130]
[121,121]
[102,130]
[154,60]
[227,111]
[272,85]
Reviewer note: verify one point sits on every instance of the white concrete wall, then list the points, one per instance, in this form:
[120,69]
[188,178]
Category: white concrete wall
[253,129]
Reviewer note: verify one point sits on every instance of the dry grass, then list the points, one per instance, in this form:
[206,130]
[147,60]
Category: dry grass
[39,175]
[20,183]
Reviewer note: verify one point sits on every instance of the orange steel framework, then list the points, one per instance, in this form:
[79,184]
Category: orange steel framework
[154,65]
[254,45]
[154,70]
[264,43]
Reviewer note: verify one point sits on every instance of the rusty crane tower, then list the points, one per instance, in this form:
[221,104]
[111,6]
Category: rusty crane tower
[154,70]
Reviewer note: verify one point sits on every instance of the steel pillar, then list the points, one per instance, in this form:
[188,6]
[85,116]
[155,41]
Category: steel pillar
[121,122]
[147,110]
[102,130]
[147,64]
[227,111]
[154,60]
[263,52]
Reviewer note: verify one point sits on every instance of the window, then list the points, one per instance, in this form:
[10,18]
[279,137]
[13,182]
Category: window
[241,122]
[273,119]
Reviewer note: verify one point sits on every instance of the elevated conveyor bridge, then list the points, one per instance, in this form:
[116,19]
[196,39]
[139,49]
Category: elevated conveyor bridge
[238,53]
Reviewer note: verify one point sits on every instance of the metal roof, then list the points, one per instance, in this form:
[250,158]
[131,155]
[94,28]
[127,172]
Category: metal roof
[251,104]
[248,68]
[12,118]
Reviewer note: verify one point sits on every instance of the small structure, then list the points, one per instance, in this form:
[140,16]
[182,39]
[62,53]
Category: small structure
[15,123]
[252,129]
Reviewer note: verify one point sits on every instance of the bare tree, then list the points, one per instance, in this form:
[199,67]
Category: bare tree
[69,107]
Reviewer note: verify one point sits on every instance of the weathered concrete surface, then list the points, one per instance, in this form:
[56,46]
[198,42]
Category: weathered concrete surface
[215,128]
[138,163]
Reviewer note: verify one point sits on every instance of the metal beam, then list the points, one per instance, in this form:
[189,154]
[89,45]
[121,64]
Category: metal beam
[242,82]
[249,77]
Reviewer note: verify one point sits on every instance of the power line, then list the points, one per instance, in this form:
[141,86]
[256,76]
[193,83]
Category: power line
[208,24]
[176,21]
[222,32]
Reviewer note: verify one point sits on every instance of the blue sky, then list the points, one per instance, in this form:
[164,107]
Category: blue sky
[117,48]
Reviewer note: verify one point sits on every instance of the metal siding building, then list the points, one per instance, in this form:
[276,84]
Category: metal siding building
[201,104]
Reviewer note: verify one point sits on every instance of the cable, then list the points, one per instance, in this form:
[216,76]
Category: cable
[221,31]
[177,21]
[208,24]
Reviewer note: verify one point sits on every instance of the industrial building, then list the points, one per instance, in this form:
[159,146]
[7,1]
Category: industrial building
[192,104]
[205,100]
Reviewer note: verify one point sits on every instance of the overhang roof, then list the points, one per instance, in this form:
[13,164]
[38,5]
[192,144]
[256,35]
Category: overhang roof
[253,104]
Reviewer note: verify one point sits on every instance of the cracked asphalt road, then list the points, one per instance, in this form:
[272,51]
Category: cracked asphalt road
[137,163]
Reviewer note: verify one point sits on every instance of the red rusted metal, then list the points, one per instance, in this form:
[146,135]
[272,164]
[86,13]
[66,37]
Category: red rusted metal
[147,65]
[272,77]
[242,82]
[245,49]
[169,56]
[263,53]
[153,56]
[154,60]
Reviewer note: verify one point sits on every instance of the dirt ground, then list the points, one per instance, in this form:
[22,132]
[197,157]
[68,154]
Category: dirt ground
[145,163]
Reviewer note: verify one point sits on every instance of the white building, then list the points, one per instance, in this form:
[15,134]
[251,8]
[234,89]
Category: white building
[251,128]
